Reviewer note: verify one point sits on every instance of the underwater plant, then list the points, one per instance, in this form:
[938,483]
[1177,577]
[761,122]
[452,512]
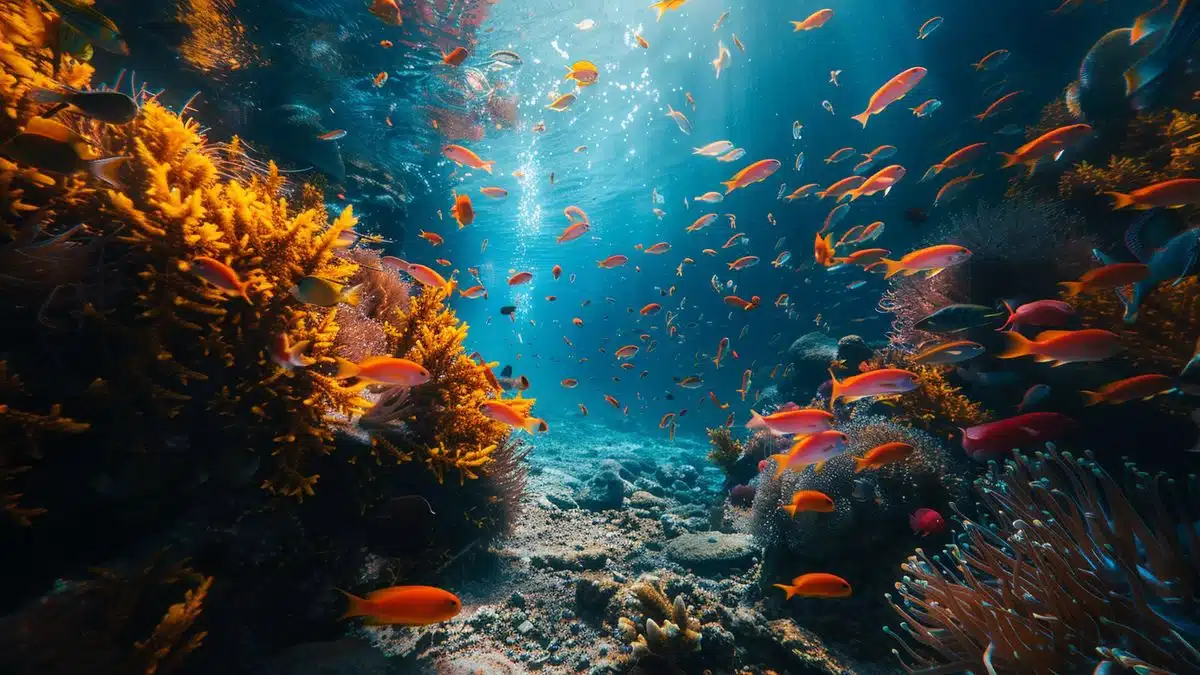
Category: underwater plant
[725,450]
[1069,571]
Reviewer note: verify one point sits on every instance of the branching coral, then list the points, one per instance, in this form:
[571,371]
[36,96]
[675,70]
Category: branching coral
[670,632]
[725,450]
[1070,565]
[935,405]
[89,626]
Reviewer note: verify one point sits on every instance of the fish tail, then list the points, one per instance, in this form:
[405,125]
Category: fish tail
[756,420]
[533,425]
[357,606]
[860,464]
[862,118]
[1071,288]
[977,66]
[106,170]
[1010,159]
[796,26]
[780,463]
[820,195]
[1120,200]
[836,392]
[981,116]
[353,295]
[1092,397]
[661,7]
[46,96]
[487,166]
[1012,315]
[891,267]
[790,508]
[1018,346]
[789,590]
[345,369]
[730,185]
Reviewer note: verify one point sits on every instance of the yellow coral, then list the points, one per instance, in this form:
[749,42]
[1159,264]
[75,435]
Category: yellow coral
[725,449]
[1163,337]
[172,640]
[466,461]
[935,405]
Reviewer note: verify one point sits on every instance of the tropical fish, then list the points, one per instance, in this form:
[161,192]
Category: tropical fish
[1171,194]
[927,108]
[584,73]
[52,147]
[893,90]
[991,440]
[404,605]
[383,370]
[805,501]
[220,275]
[494,192]
[464,157]
[998,105]
[387,11]
[931,260]
[814,449]
[1143,387]
[950,352]
[713,149]
[681,120]
[1061,347]
[1052,143]
[426,276]
[1033,397]
[504,413]
[663,6]
[723,58]
[953,187]
[815,20]
[111,107]
[1115,275]
[992,60]
[882,455]
[463,211]
[754,173]
[786,422]
[290,356]
[313,290]
[839,155]
[817,585]
[928,27]
[1046,313]
[91,23]
[926,522]
[562,102]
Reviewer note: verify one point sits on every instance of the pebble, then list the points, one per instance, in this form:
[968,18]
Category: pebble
[525,627]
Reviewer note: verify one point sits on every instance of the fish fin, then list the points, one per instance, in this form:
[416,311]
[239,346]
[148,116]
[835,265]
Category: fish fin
[353,295]
[345,369]
[796,26]
[296,353]
[977,66]
[862,118]
[357,606]
[1032,168]
[1092,397]
[756,420]
[730,185]
[533,425]
[788,590]
[892,267]
[860,464]
[929,274]
[1018,346]
[780,463]
[836,392]
[106,170]
[1071,288]
[1010,159]
[1120,200]
[661,7]
[1050,335]
[487,166]
[1012,315]
[791,509]
[909,273]
[818,466]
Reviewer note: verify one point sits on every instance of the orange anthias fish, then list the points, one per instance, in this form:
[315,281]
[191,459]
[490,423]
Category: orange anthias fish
[814,450]
[815,20]
[626,352]
[387,11]
[464,157]
[881,181]
[612,261]
[220,275]
[997,105]
[454,57]
[463,211]
[931,260]
[663,6]
[955,159]
[842,187]
[404,605]
[584,73]
[720,351]
[432,238]
[427,276]
[504,413]
[712,396]
[817,585]
[893,90]
[747,305]
[651,309]
[804,421]
[881,382]
[612,401]
[289,356]
[569,383]
[474,292]
[556,272]
[1063,346]
[659,248]
[808,500]
[520,278]
[882,455]
[573,232]
[823,251]
[755,173]
[1143,387]
[383,370]
[1116,275]
[1054,142]
[1170,194]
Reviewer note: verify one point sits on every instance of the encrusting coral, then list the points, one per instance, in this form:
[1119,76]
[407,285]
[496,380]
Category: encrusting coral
[1070,572]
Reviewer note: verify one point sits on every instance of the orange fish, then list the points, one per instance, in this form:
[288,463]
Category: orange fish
[1116,275]
[474,292]
[817,585]
[864,257]
[713,397]
[1054,142]
[808,500]
[641,41]
[659,248]
[1142,387]
[569,383]
[287,356]
[583,409]
[997,105]
[504,413]
[804,421]
[814,20]
[383,370]
[840,188]
[882,455]
[612,401]
[745,384]
[220,275]
[387,11]
[666,419]
[455,57]
[380,79]
[551,298]
[404,605]
[520,278]
[574,231]
[823,250]
[884,381]
[626,352]
[881,181]
[893,90]
[494,192]
[931,260]
[556,272]
[462,210]
[720,351]
[746,305]
[443,262]
[650,309]
[1063,346]
[577,321]
[432,238]
[755,173]
[955,159]
[464,157]
[386,44]
[612,261]
[1171,194]
[427,276]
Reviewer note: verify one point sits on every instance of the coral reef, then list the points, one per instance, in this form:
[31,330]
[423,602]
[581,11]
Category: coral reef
[1069,571]
[726,450]
[936,405]
[1164,336]
[669,631]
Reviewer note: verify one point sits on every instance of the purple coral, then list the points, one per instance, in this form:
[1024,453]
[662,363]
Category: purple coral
[742,495]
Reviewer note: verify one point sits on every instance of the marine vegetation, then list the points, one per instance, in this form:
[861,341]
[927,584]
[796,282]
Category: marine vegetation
[936,405]
[1069,571]
[669,631]
[1164,336]
[725,450]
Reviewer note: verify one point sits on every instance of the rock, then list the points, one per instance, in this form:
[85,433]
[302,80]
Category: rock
[616,467]
[645,500]
[525,627]
[562,501]
[587,559]
[672,525]
[473,664]
[711,551]
[593,595]
[853,350]
[516,600]
[604,491]
[338,657]
[649,485]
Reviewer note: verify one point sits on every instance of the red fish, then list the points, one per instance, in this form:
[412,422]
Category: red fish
[1050,313]
[817,585]
[404,605]
[1053,142]
[455,57]
[893,90]
[1142,387]
[879,382]
[808,500]
[1063,346]
[926,522]
[993,439]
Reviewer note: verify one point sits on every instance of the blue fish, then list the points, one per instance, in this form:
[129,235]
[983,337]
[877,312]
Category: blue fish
[1145,77]
[1175,260]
